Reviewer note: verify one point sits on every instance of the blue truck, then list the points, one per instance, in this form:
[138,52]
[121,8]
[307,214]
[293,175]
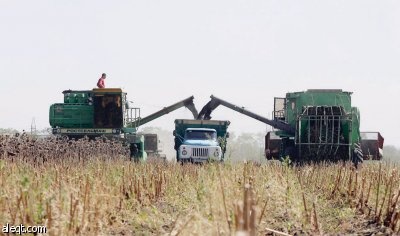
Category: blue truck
[200,140]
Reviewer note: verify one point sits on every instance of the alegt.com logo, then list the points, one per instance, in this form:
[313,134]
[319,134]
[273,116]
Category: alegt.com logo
[22,229]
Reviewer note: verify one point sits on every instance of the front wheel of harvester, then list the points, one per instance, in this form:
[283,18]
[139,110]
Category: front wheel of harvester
[289,153]
[135,159]
[357,155]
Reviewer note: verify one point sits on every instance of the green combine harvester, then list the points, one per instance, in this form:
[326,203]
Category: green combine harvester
[105,113]
[311,126]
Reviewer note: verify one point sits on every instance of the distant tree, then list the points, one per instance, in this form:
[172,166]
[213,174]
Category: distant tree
[231,147]
[391,153]
[246,146]
[44,131]
[8,131]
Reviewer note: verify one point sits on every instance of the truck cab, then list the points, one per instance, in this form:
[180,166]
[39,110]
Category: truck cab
[200,145]
[200,140]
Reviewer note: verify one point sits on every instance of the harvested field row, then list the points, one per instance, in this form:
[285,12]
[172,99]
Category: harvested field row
[33,150]
[98,196]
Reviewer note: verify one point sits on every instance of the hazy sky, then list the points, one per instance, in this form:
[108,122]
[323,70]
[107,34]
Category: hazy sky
[160,52]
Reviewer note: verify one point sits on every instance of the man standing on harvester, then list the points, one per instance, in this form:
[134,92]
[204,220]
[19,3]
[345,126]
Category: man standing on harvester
[101,83]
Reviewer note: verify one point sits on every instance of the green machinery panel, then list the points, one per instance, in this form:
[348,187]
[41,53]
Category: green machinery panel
[89,109]
[297,101]
[71,115]
[327,126]
[76,111]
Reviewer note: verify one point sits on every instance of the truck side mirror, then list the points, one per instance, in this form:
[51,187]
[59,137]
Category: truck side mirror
[227,135]
[174,133]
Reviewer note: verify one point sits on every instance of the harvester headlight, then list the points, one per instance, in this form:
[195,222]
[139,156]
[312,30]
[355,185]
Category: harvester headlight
[114,131]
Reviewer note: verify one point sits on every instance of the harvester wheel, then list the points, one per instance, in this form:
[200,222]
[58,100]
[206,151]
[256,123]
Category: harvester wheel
[357,155]
[290,151]
[268,155]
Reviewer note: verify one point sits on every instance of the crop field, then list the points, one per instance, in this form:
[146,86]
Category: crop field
[92,188]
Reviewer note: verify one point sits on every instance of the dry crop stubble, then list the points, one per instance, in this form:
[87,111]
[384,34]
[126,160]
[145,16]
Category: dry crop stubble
[77,190]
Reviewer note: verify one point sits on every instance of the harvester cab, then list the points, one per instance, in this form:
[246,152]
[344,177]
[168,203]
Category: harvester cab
[108,109]
[279,113]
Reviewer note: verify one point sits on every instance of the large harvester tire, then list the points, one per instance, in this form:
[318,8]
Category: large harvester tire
[357,155]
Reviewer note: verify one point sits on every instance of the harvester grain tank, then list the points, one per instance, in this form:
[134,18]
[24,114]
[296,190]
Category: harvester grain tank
[315,125]
[105,112]
[200,140]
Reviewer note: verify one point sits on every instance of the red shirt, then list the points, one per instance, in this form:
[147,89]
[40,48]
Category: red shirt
[100,83]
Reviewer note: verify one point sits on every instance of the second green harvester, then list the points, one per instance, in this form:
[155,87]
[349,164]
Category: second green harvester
[313,125]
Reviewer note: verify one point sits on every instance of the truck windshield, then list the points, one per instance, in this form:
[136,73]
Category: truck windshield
[201,135]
